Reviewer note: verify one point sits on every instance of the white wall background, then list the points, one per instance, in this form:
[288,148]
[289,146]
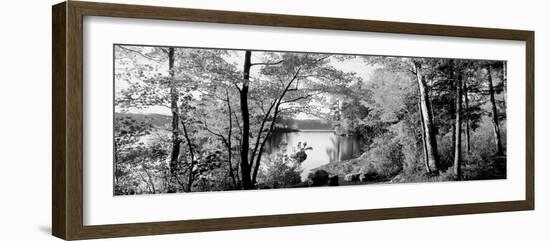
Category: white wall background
[25,120]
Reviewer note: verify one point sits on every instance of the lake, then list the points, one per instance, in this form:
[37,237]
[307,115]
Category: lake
[327,147]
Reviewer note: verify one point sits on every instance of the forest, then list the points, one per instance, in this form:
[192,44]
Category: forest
[202,119]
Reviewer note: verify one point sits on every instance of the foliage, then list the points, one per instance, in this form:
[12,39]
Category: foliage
[214,102]
[300,154]
[280,171]
[386,155]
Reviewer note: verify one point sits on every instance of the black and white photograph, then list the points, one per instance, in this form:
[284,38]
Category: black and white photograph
[190,119]
[269,120]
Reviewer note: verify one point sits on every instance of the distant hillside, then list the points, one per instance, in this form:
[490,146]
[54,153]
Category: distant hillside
[164,122]
[307,124]
[157,120]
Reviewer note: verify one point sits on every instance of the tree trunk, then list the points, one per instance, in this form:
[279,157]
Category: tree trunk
[430,98]
[423,134]
[261,150]
[175,114]
[458,129]
[258,138]
[115,174]
[504,82]
[496,124]
[245,145]
[431,142]
[192,156]
[467,114]
[229,150]
[452,104]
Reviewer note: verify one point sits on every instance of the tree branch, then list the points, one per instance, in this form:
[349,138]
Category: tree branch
[297,99]
[268,63]
[140,53]
[275,113]
[322,58]
[164,50]
[261,130]
[190,145]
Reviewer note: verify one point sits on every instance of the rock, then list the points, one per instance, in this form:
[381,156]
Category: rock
[347,177]
[368,173]
[333,180]
[319,178]
[367,177]
[352,177]
[364,177]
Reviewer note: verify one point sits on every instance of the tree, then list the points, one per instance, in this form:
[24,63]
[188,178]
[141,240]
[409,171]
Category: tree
[128,134]
[473,97]
[494,112]
[174,155]
[467,113]
[245,142]
[420,69]
[151,84]
[458,128]
[222,108]
[430,142]
[281,81]
[295,79]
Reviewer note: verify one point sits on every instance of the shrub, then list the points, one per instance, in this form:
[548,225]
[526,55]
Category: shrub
[386,155]
[445,151]
[280,171]
[406,135]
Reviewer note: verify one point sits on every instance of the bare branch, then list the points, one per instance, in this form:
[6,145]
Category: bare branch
[322,58]
[237,86]
[164,50]
[264,121]
[297,99]
[140,53]
[268,63]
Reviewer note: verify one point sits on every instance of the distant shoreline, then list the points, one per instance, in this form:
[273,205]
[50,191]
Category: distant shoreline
[289,130]
[315,130]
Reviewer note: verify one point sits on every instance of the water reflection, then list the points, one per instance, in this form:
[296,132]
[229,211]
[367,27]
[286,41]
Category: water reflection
[327,146]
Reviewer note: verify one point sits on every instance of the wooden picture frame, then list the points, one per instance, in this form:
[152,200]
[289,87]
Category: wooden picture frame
[67,123]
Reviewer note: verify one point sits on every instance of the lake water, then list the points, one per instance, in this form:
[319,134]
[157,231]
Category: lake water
[327,147]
